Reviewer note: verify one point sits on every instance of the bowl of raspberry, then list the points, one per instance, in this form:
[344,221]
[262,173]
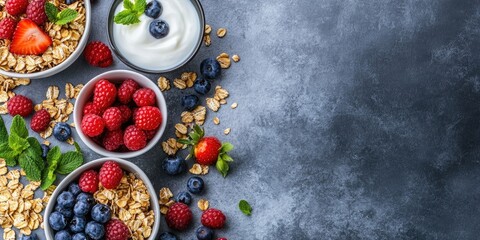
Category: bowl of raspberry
[120,113]
[91,202]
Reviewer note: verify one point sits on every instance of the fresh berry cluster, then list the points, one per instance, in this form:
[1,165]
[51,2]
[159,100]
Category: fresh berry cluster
[121,118]
[78,216]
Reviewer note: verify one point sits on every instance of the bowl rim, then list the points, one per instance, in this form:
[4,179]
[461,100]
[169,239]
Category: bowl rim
[69,60]
[111,12]
[76,173]
[142,81]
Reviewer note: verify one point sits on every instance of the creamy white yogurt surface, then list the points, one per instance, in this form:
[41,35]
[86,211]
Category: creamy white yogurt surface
[140,48]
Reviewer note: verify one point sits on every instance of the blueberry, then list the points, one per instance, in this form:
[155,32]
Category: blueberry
[101,213]
[204,233]
[195,185]
[174,165]
[33,236]
[94,230]
[158,28]
[202,85]
[81,208]
[184,197]
[66,212]
[189,102]
[65,200]
[210,68]
[63,235]
[153,9]
[62,131]
[74,189]
[45,150]
[86,197]
[168,236]
[57,221]
[79,236]
[68,2]
[77,224]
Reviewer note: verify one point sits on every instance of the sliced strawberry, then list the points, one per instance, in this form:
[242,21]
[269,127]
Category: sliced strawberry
[29,39]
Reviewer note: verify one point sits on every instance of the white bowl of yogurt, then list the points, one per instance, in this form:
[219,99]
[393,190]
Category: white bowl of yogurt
[136,47]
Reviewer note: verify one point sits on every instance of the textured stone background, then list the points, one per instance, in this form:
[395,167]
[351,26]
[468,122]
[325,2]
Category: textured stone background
[357,119]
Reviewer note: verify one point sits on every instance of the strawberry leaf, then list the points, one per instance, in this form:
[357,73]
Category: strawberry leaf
[225,157]
[183,141]
[222,167]
[245,207]
[226,147]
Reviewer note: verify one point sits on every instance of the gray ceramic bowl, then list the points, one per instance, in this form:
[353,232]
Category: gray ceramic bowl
[96,164]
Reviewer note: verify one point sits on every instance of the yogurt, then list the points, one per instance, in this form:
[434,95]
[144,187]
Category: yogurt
[139,47]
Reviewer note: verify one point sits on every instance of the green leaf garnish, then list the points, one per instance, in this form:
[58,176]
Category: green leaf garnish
[32,164]
[59,17]
[131,13]
[51,11]
[69,162]
[19,127]
[17,144]
[222,167]
[3,132]
[245,207]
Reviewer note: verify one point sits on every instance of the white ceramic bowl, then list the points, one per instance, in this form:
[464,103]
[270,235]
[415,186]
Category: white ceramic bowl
[72,58]
[117,76]
[96,164]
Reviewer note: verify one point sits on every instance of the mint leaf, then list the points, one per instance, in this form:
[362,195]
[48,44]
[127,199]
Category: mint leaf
[65,16]
[35,145]
[32,164]
[48,178]
[69,162]
[51,11]
[17,144]
[53,156]
[222,167]
[77,147]
[226,147]
[8,154]
[127,4]
[140,6]
[245,207]
[3,131]
[18,127]
[126,17]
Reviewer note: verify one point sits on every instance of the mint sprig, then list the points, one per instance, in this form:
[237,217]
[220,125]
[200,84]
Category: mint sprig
[59,17]
[245,207]
[131,12]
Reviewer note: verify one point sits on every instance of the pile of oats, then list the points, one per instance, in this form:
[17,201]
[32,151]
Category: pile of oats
[220,98]
[7,84]
[65,40]
[130,202]
[18,207]
[199,169]
[206,36]
[166,199]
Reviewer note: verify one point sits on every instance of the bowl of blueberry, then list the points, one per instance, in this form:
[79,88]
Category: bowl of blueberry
[91,202]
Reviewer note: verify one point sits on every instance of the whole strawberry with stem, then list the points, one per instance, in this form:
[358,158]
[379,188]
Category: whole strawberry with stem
[208,150]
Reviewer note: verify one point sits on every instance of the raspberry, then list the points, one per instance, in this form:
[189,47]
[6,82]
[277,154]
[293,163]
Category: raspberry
[134,138]
[116,230]
[126,113]
[7,27]
[178,216]
[113,140]
[36,11]
[150,133]
[40,121]
[104,94]
[91,108]
[213,218]
[20,105]
[16,7]
[88,181]
[126,90]
[147,118]
[98,54]
[92,125]
[144,97]
[112,118]
[110,175]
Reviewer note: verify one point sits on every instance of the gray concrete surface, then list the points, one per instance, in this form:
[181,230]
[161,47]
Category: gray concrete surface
[356,119]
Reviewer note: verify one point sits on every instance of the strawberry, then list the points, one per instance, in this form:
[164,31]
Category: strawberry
[29,39]
[208,150]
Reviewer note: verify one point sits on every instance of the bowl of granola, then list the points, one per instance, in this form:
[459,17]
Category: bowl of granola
[89,209]
[43,38]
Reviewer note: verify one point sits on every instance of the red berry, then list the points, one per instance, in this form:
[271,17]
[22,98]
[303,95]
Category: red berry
[116,230]
[40,121]
[126,113]
[112,118]
[178,216]
[7,27]
[206,151]
[213,218]
[16,7]
[91,108]
[29,39]
[144,97]
[104,94]
[113,140]
[150,133]
[110,175]
[134,138]
[147,118]
[98,54]
[92,125]
[126,91]
[36,11]
[20,105]
[88,181]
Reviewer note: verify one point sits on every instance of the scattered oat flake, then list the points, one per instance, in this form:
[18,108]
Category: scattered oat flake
[234,105]
[224,60]
[236,58]
[196,169]
[208,29]
[227,131]
[213,104]
[179,83]
[221,32]
[207,40]
[203,204]
[163,83]
[216,120]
